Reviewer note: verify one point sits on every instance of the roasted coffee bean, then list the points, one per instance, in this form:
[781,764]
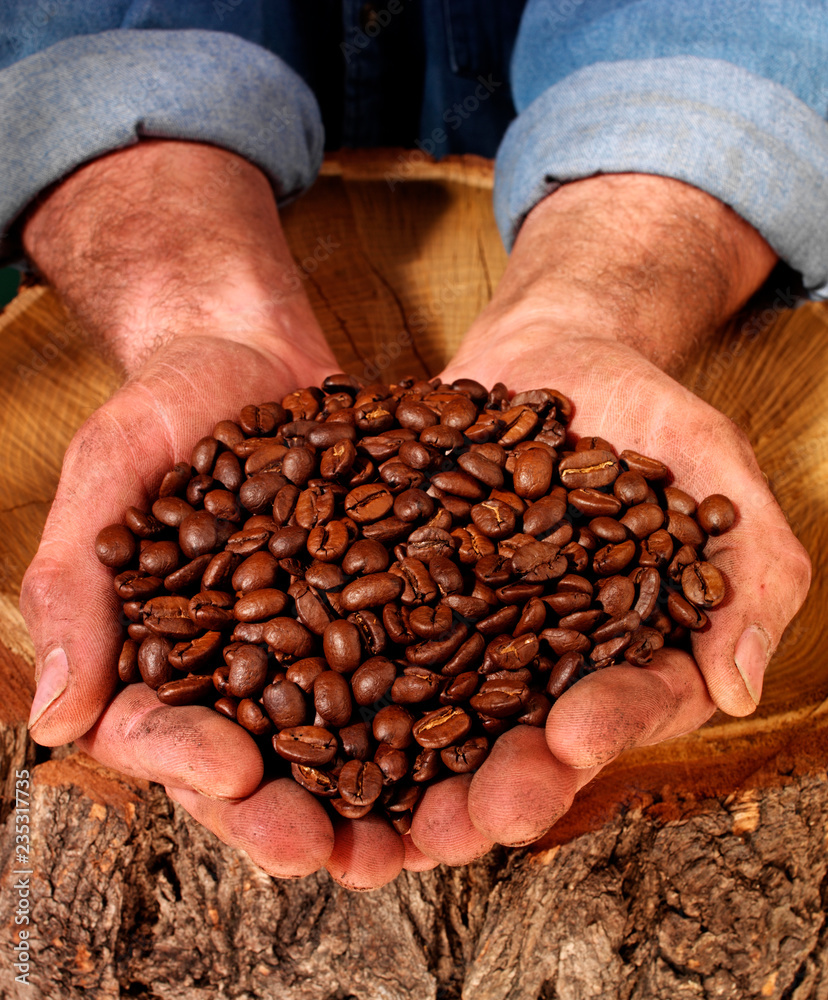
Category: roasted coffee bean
[539,561]
[649,468]
[133,585]
[644,642]
[226,706]
[371,502]
[332,698]
[680,501]
[416,685]
[657,550]
[288,639]
[170,616]
[175,481]
[159,558]
[257,572]
[648,581]
[643,519]
[171,510]
[212,609]
[341,646]
[248,670]
[304,672]
[482,468]
[716,514]
[360,782]
[532,474]
[372,590]
[196,653]
[115,545]
[197,488]
[392,727]
[564,672]
[612,559]
[259,605]
[562,640]
[628,622]
[285,703]
[442,727]
[186,690]
[372,680]
[392,762]
[308,745]
[153,661]
[684,613]
[466,756]
[457,690]
[703,585]
[219,571]
[128,671]
[684,529]
[588,469]
[141,524]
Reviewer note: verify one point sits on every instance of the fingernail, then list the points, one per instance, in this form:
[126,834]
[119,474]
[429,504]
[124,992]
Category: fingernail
[752,654]
[52,683]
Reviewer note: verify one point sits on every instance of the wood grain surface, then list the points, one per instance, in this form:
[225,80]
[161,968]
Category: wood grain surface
[398,255]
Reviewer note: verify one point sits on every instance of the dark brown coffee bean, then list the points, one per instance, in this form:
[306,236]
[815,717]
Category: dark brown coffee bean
[186,690]
[373,590]
[212,609]
[416,685]
[133,585]
[582,621]
[171,510]
[248,670]
[309,745]
[304,672]
[399,477]
[649,586]
[392,762]
[500,621]
[430,623]
[189,574]
[128,670]
[259,605]
[608,529]
[684,529]
[643,519]
[257,572]
[649,468]
[175,481]
[562,640]
[416,416]
[611,559]
[392,727]
[468,656]
[153,661]
[219,571]
[628,622]
[567,602]
[338,460]
[657,550]
[442,727]
[138,632]
[684,613]
[197,488]
[703,585]
[607,652]
[170,617]
[228,432]
[509,653]
[500,699]
[223,504]
[115,545]
[341,646]
[716,514]
[258,493]
[159,558]
[565,671]
[372,680]
[288,639]
[198,533]
[288,541]
[332,698]
[539,561]
[482,468]
[418,586]
[315,780]
[141,524]
[532,475]
[494,518]
[197,653]
[457,690]
[267,458]
[588,469]
[631,488]
[426,766]
[226,706]
[285,703]
[532,618]
[644,642]
[360,783]
[467,756]
[616,595]
[593,503]
[680,501]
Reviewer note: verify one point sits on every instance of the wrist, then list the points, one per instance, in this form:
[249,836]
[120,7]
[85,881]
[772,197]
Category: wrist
[647,261]
[166,240]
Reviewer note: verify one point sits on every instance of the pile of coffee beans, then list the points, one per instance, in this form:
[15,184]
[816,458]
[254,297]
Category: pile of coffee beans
[376,581]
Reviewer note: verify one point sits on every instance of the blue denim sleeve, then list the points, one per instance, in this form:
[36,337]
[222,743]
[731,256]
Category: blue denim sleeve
[730,98]
[90,94]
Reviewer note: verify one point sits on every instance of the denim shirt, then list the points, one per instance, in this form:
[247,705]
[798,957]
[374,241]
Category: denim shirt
[730,96]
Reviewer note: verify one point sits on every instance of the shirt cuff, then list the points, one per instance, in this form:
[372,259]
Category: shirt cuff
[91,94]
[740,137]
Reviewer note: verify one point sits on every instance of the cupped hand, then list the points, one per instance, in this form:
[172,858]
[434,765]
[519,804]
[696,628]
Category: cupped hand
[207,763]
[530,778]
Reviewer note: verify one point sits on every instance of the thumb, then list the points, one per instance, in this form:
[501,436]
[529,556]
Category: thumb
[67,597]
[768,573]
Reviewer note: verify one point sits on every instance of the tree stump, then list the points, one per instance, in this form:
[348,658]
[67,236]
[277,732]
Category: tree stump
[693,869]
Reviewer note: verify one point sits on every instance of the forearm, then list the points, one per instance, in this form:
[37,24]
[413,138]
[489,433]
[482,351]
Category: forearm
[645,260]
[168,239]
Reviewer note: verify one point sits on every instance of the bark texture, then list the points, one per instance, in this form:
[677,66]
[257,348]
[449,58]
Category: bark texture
[131,898]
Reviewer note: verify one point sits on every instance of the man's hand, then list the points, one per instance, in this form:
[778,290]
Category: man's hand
[608,276]
[173,258]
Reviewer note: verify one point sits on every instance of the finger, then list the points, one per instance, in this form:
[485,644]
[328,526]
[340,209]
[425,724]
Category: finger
[767,574]
[281,826]
[617,708]
[190,746]
[521,789]
[442,828]
[415,860]
[367,853]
